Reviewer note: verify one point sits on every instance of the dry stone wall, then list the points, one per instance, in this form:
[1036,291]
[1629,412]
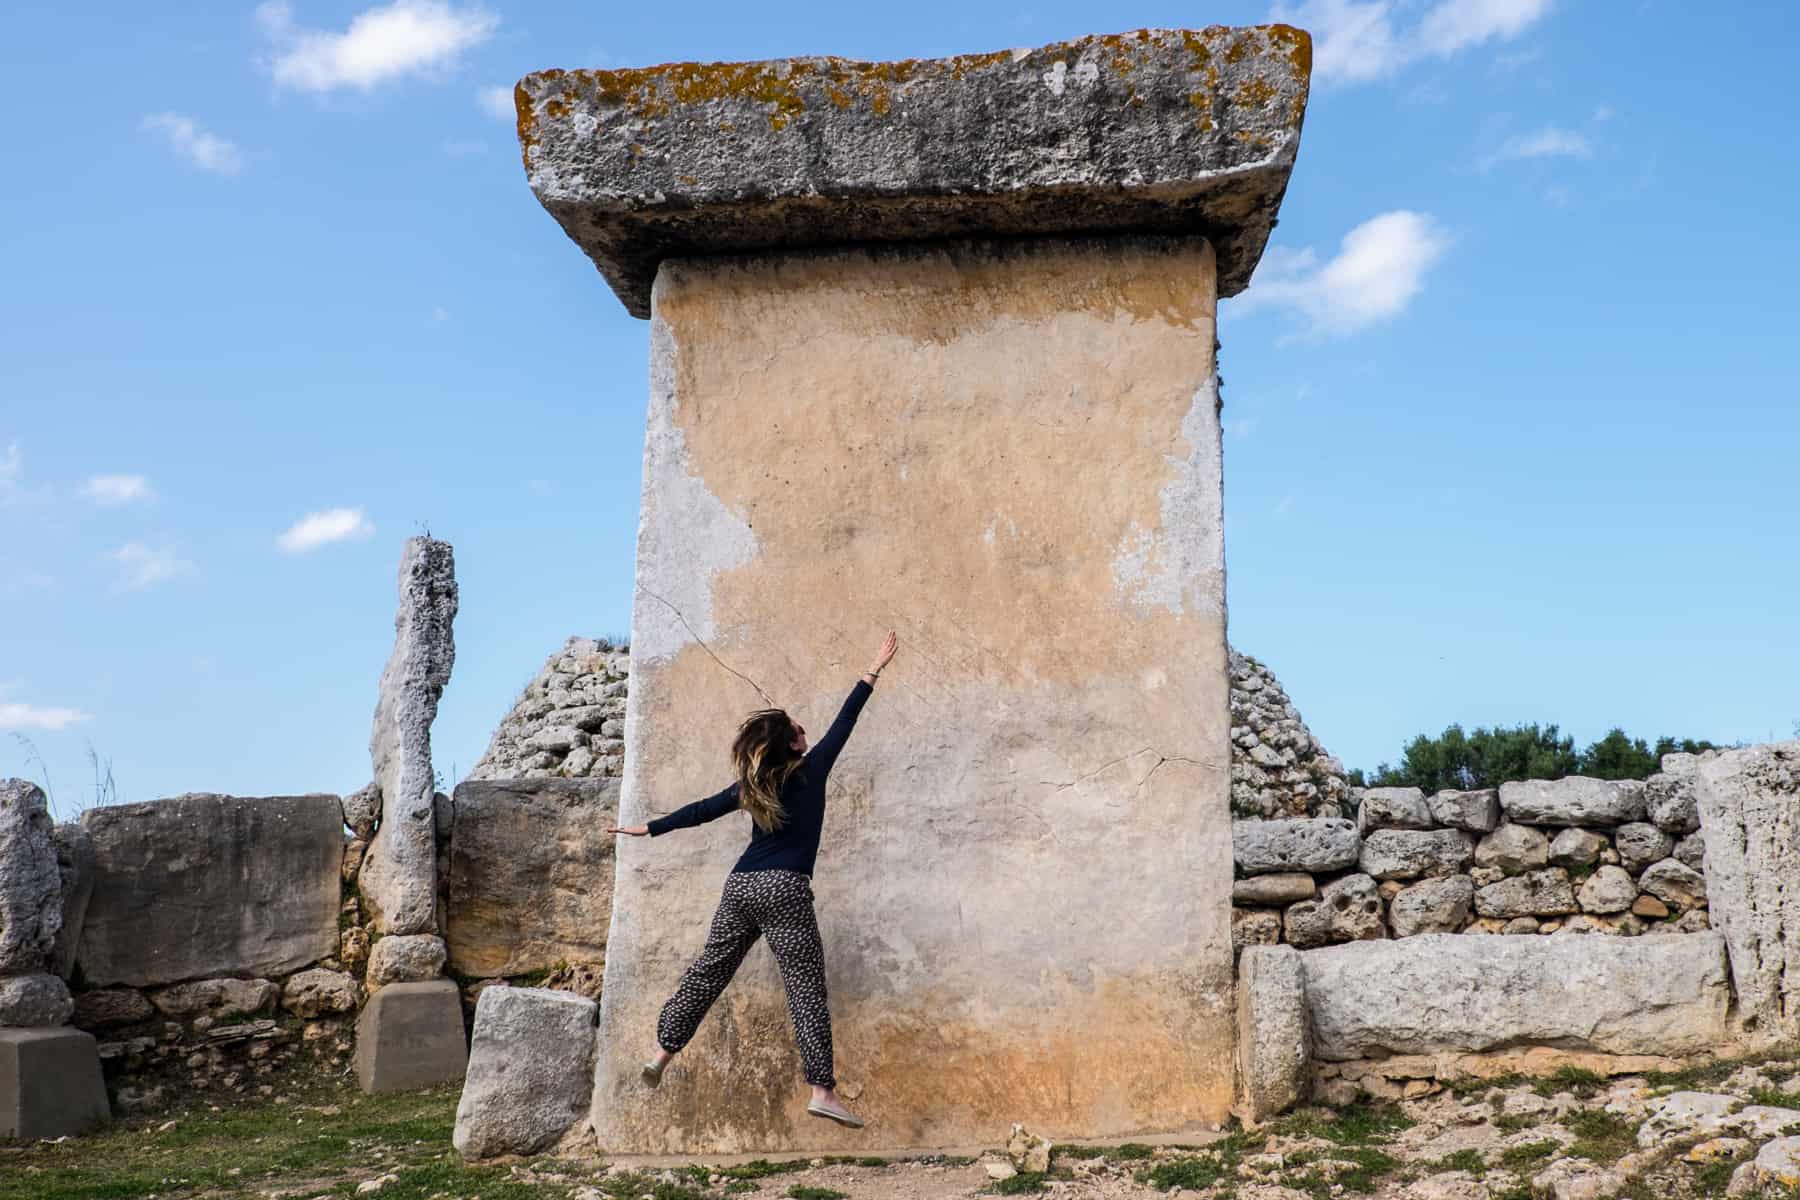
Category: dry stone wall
[1571,855]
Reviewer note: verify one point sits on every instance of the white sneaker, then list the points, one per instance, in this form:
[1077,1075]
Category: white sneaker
[834,1112]
[653,1074]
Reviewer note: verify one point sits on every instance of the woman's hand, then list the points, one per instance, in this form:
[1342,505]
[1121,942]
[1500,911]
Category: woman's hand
[630,830]
[885,655]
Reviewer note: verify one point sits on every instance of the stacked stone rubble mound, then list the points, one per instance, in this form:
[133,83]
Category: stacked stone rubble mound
[1278,768]
[1573,855]
[570,720]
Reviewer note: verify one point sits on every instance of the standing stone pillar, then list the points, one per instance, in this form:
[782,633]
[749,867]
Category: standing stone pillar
[50,1081]
[932,349]
[410,1033]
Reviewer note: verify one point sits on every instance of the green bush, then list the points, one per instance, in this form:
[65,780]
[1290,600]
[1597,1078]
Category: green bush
[1485,757]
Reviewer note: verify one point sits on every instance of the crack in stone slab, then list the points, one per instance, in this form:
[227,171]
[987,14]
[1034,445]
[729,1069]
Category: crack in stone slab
[701,642]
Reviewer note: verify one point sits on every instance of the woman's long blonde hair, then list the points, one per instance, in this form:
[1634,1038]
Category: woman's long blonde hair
[763,756]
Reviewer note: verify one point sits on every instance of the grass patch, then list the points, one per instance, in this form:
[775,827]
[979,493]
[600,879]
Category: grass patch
[1366,1122]
[1775,1097]
[1512,1122]
[1358,1169]
[1020,1184]
[1580,1082]
[1518,1189]
[1463,1160]
[1528,1155]
[1600,1136]
[801,1192]
[1134,1151]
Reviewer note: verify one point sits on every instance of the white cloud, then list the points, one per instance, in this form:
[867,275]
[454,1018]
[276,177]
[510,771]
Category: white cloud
[1549,142]
[207,151]
[1357,41]
[141,566]
[1378,269]
[33,716]
[322,528]
[407,37]
[497,102]
[118,489]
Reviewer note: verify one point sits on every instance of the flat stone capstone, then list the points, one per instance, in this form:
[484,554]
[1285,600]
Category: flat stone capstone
[1154,131]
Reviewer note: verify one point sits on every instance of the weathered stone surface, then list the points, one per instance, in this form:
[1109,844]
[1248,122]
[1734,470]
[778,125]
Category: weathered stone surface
[1412,853]
[75,867]
[1164,131]
[761,556]
[1607,890]
[1513,848]
[405,958]
[1670,801]
[1347,909]
[1284,888]
[1574,800]
[1027,1150]
[1777,1164]
[1433,906]
[1575,848]
[1273,1041]
[108,1008]
[1254,927]
[257,877]
[1393,808]
[35,999]
[1261,847]
[531,874]
[50,1084]
[1278,768]
[1674,884]
[30,886]
[1476,811]
[1749,804]
[1520,925]
[216,998]
[410,1035]
[1690,851]
[1683,1115]
[399,874]
[530,1072]
[1640,844]
[1650,908]
[1576,1179]
[320,992]
[362,809]
[1448,992]
[580,687]
[1543,893]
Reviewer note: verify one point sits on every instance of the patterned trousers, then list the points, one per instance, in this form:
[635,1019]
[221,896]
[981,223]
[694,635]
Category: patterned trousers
[777,905]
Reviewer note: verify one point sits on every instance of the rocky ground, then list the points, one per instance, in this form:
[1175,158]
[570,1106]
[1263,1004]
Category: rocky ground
[1727,1129]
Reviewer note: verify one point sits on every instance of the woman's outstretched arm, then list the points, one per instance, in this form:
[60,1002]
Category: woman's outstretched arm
[825,752]
[698,813]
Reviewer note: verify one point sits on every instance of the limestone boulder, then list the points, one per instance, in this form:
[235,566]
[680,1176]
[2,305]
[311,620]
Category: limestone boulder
[1513,848]
[1574,800]
[1448,992]
[399,874]
[1674,884]
[1393,808]
[34,1000]
[362,809]
[1776,1166]
[530,1071]
[30,884]
[1273,1039]
[1607,890]
[1432,906]
[257,877]
[1254,927]
[1413,853]
[1670,800]
[1285,888]
[1311,845]
[75,867]
[109,1008]
[1749,805]
[1347,909]
[1028,1151]
[1690,851]
[1576,848]
[1545,893]
[320,992]
[1476,811]
[1640,843]
[216,998]
[530,879]
[405,958]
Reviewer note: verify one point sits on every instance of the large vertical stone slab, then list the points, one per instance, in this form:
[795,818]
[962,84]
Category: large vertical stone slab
[1749,807]
[530,1071]
[202,886]
[30,885]
[882,397]
[399,874]
[531,874]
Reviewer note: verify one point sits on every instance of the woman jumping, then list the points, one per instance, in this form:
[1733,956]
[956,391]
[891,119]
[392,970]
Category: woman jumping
[769,892]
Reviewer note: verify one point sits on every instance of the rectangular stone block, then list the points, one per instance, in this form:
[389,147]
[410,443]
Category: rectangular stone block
[1010,453]
[531,874]
[410,1035]
[203,885]
[50,1083]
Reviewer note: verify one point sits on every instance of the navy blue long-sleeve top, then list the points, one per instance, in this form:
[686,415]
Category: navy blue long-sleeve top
[795,845]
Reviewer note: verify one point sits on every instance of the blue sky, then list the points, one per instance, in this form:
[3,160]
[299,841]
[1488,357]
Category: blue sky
[1510,410]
